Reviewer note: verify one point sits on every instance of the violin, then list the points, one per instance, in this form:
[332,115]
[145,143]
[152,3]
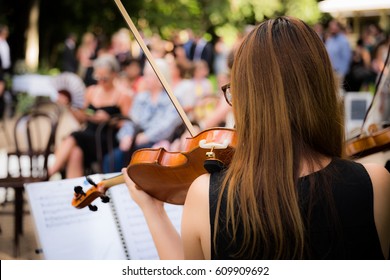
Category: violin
[166,175]
[377,140]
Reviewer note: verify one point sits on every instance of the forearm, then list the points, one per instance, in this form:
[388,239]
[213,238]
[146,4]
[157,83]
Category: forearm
[165,236]
[78,114]
[166,239]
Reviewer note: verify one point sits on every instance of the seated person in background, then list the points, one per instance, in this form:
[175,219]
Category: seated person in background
[2,90]
[204,90]
[131,76]
[154,118]
[220,117]
[103,100]
[64,97]
[182,84]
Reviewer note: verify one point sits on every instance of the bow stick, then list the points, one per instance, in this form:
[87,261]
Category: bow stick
[149,56]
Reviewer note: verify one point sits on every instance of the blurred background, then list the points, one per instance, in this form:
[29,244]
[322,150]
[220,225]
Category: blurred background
[38,28]
[47,47]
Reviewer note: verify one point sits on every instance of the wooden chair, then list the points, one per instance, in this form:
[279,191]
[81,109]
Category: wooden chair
[33,139]
[111,127]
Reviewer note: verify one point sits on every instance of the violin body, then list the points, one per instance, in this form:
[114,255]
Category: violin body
[168,175]
[358,146]
[363,146]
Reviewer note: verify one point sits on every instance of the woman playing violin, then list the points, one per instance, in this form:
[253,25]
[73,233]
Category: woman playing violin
[287,193]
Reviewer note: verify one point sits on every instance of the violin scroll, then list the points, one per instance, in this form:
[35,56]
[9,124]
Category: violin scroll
[83,199]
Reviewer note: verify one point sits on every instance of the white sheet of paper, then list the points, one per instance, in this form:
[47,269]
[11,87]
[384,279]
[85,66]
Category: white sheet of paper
[65,232]
[136,234]
[118,229]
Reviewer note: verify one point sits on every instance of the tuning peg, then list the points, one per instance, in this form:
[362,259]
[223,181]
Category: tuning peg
[89,180]
[92,207]
[79,190]
[105,199]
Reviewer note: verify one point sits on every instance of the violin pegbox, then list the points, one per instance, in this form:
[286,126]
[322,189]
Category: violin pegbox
[82,199]
[104,198]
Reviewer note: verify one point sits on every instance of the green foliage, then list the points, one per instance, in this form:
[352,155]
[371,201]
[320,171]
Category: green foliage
[254,11]
[24,102]
[215,17]
[306,10]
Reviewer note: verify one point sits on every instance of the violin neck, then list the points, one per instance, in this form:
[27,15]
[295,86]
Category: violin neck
[111,182]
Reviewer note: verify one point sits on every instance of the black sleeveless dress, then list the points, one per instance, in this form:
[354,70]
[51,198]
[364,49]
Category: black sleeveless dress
[86,139]
[347,232]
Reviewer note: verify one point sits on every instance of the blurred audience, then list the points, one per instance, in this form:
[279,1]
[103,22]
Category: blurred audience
[85,55]
[102,101]
[154,118]
[339,49]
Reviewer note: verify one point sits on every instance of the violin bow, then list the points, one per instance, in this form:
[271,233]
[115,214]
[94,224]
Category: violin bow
[378,87]
[162,79]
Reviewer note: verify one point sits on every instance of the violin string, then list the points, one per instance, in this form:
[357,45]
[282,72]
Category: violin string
[377,86]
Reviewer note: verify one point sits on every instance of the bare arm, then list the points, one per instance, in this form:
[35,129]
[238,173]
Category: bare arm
[80,114]
[166,239]
[125,101]
[380,178]
[195,227]
[195,240]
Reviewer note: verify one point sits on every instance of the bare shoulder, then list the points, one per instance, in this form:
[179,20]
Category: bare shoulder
[379,175]
[199,188]
[124,101]
[195,227]
[125,95]
[380,178]
[89,92]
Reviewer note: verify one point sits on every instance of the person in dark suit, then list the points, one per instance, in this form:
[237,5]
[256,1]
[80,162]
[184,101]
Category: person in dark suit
[69,61]
[2,89]
[202,50]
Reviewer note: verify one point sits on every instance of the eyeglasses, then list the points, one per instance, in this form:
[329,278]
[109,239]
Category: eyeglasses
[101,79]
[227,93]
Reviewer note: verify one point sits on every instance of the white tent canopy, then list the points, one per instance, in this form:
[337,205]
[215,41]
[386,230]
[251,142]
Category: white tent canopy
[353,7]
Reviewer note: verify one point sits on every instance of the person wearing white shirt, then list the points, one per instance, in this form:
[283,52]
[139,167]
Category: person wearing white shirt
[5,54]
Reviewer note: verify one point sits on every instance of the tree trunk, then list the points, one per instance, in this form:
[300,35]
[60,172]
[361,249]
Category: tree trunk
[32,40]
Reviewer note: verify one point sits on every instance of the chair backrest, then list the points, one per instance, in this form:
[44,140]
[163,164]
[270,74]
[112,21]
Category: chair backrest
[34,135]
[356,105]
[110,127]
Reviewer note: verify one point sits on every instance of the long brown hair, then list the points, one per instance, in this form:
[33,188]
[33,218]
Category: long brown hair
[287,109]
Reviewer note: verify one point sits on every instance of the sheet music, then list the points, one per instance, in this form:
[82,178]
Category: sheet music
[118,229]
[136,233]
[65,232]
